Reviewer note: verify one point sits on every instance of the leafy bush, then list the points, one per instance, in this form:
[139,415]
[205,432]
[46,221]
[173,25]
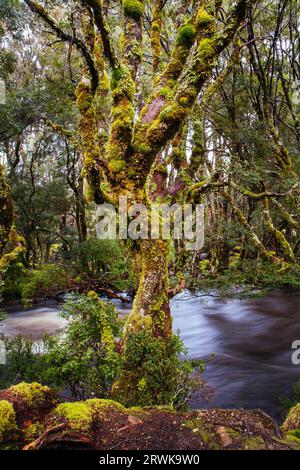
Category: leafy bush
[164,378]
[104,259]
[251,273]
[49,279]
[85,358]
[12,287]
[287,402]
[24,362]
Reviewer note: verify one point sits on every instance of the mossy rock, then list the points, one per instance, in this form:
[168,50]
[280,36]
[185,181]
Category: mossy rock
[34,394]
[80,416]
[8,425]
[100,405]
[293,419]
[254,443]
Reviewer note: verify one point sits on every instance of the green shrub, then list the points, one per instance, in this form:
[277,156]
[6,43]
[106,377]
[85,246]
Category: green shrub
[12,287]
[102,259]
[164,378]
[287,402]
[262,274]
[85,358]
[46,281]
[88,357]
[24,362]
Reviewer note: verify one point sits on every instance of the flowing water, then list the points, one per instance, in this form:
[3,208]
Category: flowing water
[252,345]
[33,323]
[251,341]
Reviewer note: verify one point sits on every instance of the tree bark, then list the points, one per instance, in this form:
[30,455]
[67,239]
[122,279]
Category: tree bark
[151,305]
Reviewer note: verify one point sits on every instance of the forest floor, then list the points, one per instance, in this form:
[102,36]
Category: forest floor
[107,425]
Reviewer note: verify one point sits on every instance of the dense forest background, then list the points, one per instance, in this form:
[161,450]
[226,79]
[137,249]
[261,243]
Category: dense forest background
[242,139]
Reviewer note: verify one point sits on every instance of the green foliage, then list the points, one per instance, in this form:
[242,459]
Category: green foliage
[15,274]
[165,378]
[251,274]
[288,402]
[7,419]
[25,363]
[49,279]
[102,259]
[85,359]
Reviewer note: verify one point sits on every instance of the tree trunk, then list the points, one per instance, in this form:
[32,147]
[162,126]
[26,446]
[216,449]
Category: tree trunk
[151,305]
[148,333]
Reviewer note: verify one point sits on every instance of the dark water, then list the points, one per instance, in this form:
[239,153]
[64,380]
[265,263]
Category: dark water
[251,340]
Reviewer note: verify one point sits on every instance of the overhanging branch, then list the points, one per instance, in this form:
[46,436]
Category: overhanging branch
[81,47]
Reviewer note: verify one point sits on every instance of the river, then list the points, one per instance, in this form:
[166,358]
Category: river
[251,341]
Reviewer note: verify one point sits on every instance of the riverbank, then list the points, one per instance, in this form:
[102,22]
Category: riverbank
[31,418]
[250,340]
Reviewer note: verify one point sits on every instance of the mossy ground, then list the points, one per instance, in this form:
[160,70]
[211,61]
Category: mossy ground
[105,424]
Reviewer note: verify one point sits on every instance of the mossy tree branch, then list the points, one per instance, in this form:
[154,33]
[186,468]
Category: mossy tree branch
[100,22]
[162,117]
[278,235]
[80,45]
[155,34]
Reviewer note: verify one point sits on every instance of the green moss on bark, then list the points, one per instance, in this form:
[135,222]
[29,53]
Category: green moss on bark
[133,8]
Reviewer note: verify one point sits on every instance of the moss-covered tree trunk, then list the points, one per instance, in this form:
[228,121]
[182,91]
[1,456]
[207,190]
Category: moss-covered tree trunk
[148,352]
[151,305]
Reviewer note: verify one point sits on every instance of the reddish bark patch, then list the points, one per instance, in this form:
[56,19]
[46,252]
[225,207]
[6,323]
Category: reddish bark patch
[153,110]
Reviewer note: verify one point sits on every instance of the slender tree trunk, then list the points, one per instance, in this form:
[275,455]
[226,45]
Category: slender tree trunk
[6,210]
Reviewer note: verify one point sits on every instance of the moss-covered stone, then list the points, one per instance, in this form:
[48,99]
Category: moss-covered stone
[78,415]
[33,394]
[8,423]
[293,419]
[81,415]
[204,431]
[254,443]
